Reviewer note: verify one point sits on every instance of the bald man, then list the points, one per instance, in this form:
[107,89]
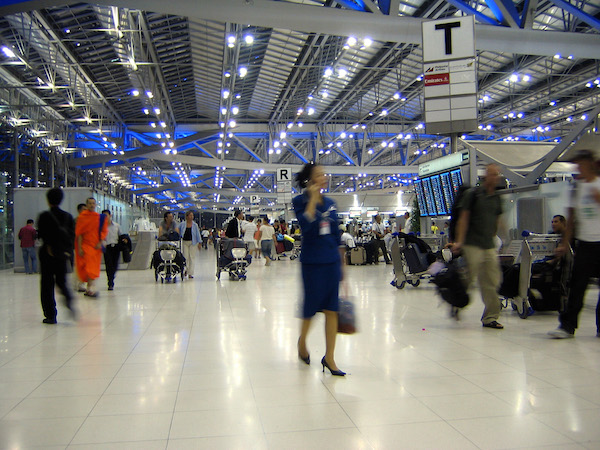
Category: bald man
[480,210]
[90,231]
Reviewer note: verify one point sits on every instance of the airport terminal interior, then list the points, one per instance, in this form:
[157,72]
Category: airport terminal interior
[213,107]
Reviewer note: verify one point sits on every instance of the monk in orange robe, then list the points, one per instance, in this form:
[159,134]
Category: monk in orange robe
[88,242]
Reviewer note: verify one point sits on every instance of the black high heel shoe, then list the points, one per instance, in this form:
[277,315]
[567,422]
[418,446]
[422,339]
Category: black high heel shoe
[338,373]
[302,358]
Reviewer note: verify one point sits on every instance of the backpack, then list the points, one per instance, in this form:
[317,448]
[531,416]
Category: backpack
[456,209]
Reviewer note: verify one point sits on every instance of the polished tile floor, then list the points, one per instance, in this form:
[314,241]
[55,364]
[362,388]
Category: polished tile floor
[213,364]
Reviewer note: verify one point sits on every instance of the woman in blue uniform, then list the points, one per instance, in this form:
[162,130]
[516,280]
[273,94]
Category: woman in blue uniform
[321,261]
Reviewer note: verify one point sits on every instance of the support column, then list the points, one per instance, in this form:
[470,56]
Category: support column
[454,143]
[17,172]
[51,174]
[36,166]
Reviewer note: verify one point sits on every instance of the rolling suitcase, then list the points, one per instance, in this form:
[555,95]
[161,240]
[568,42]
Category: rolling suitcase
[372,252]
[546,289]
[357,256]
[417,261]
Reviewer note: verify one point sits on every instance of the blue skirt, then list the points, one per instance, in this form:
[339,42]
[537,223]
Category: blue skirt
[321,288]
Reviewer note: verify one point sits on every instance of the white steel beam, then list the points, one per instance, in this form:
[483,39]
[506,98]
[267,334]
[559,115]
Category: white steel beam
[333,21]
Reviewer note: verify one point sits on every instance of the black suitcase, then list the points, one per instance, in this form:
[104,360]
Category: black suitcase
[546,290]
[510,280]
[417,261]
[372,252]
[450,286]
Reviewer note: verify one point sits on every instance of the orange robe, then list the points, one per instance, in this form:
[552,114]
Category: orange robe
[88,226]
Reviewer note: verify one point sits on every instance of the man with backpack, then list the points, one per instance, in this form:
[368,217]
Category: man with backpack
[56,229]
[478,219]
[90,231]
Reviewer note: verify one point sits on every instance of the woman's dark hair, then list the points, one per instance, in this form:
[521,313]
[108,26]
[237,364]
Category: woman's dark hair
[303,177]
[54,196]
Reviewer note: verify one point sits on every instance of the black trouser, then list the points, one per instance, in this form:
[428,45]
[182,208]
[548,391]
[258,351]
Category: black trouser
[54,271]
[111,262]
[205,243]
[380,244]
[585,266]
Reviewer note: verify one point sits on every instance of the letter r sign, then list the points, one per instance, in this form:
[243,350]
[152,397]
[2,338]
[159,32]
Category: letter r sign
[284,174]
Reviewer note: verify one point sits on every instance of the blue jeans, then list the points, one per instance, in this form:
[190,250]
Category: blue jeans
[29,252]
[267,249]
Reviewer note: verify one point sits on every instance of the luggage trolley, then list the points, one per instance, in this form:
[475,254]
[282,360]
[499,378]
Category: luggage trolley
[410,264]
[534,248]
[297,247]
[168,261]
[233,257]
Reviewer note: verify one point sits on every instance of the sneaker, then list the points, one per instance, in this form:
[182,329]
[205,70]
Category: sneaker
[91,294]
[561,333]
[111,288]
[49,321]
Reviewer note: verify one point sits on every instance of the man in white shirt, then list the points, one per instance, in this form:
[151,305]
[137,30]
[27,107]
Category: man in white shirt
[248,229]
[204,233]
[346,238]
[379,232]
[112,251]
[584,208]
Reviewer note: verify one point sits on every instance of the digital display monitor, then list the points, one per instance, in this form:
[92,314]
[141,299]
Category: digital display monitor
[457,181]
[429,199]
[421,198]
[448,190]
[438,195]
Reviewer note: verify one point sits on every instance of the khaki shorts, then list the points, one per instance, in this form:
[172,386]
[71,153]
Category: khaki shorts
[251,245]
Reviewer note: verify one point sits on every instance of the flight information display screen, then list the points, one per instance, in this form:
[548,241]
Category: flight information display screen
[448,190]
[457,181]
[438,195]
[421,198]
[429,199]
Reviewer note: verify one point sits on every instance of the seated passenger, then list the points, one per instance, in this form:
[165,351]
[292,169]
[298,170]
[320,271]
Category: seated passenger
[346,239]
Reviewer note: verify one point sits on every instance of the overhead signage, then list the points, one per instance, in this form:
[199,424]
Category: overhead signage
[284,192]
[284,174]
[284,185]
[450,75]
[355,212]
[254,199]
[448,39]
[437,79]
[444,163]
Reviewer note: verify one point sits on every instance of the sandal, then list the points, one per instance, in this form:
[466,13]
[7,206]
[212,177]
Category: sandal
[494,324]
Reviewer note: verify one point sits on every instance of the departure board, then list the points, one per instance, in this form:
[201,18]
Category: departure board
[456,180]
[447,190]
[421,198]
[429,199]
[438,195]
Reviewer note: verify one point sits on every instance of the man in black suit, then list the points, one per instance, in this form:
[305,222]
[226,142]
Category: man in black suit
[234,226]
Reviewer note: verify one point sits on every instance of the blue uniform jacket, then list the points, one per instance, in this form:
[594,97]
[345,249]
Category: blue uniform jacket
[318,248]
